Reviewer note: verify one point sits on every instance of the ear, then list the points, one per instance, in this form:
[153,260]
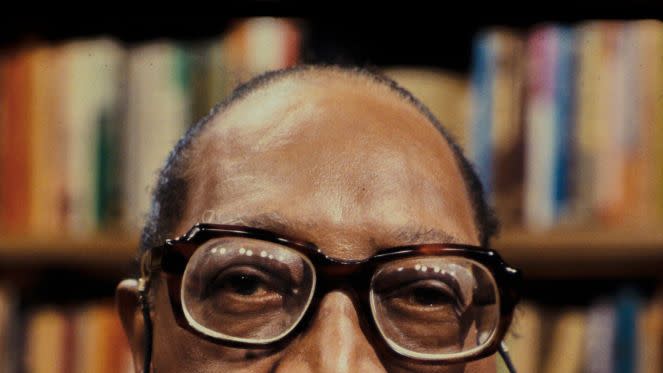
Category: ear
[128,307]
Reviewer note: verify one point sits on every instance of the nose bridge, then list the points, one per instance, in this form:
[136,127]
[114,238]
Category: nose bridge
[333,342]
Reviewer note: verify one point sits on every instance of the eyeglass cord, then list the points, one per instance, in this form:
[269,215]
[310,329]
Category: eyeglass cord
[147,320]
[142,298]
[504,353]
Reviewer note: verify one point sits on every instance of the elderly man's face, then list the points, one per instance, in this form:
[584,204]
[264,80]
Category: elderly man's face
[328,159]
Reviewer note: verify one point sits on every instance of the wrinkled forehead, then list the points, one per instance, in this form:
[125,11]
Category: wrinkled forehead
[342,153]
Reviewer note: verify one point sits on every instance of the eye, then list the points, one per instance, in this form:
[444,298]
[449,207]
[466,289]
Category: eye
[430,296]
[244,284]
[425,296]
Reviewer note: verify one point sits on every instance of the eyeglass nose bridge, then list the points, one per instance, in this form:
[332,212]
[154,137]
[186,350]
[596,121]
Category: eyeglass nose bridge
[350,278]
[335,274]
[337,269]
[353,280]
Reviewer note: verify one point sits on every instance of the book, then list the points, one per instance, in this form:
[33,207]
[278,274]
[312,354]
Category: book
[4,60]
[650,335]
[48,341]
[218,77]
[15,153]
[642,84]
[610,151]
[549,124]
[200,73]
[585,146]
[628,310]
[524,339]
[599,346]
[8,329]
[479,132]
[255,45]
[158,113]
[271,43]
[508,127]
[650,73]
[100,342]
[568,334]
[45,162]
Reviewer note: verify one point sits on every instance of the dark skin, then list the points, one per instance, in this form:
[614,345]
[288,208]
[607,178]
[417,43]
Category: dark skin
[328,158]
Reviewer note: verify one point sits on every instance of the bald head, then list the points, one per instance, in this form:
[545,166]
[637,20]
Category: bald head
[322,121]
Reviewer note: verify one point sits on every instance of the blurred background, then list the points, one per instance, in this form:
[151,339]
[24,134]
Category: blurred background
[561,114]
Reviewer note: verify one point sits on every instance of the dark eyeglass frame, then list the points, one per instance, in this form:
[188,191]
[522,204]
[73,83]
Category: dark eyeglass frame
[172,258]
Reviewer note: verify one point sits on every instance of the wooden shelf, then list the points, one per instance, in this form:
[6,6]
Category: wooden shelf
[102,250]
[584,253]
[557,254]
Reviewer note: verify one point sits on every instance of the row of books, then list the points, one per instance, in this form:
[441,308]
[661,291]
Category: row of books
[563,123]
[621,333]
[567,123]
[61,339]
[86,124]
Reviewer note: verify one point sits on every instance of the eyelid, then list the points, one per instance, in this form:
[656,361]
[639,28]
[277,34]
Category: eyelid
[292,266]
[277,271]
[264,276]
[406,278]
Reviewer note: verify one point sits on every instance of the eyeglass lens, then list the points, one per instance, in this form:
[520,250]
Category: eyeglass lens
[435,306]
[246,290]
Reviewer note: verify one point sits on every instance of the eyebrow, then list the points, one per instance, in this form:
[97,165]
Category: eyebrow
[410,234]
[271,221]
[413,235]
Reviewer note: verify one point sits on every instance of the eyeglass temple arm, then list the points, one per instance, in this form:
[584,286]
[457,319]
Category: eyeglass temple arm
[145,308]
[504,353]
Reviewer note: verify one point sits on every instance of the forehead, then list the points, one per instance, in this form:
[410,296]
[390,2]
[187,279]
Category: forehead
[341,162]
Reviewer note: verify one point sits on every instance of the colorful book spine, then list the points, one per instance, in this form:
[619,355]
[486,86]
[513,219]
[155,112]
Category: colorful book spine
[599,345]
[507,133]
[4,186]
[15,152]
[628,310]
[45,163]
[565,353]
[564,99]
[479,132]
[652,60]
[9,329]
[525,337]
[588,122]
[49,342]
[540,130]
[610,155]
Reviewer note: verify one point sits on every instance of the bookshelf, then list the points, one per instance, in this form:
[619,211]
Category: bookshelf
[544,255]
[565,267]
